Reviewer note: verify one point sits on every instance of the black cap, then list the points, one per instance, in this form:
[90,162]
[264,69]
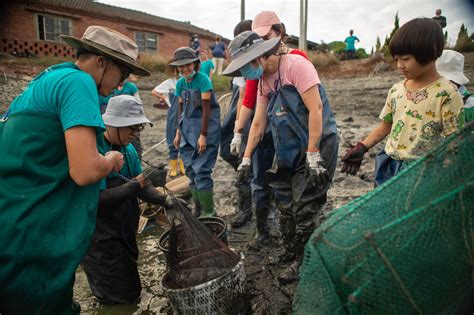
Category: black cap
[183,56]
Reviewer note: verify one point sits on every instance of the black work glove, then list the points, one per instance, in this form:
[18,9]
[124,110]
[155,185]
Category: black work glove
[316,170]
[151,195]
[157,176]
[243,171]
[118,194]
[353,159]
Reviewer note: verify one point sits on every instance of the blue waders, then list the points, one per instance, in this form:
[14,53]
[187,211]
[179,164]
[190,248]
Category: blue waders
[199,167]
[297,199]
[261,192]
[244,212]
[171,126]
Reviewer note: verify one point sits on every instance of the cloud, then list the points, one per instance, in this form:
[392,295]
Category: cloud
[327,20]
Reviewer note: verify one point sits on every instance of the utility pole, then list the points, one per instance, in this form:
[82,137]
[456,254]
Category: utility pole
[303,24]
[242,10]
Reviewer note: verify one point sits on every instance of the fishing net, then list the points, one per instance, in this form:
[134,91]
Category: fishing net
[195,254]
[406,247]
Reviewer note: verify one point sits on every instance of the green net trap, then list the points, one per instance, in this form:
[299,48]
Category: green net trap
[405,248]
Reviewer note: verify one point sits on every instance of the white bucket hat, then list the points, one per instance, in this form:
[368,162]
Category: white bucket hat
[109,43]
[451,66]
[125,111]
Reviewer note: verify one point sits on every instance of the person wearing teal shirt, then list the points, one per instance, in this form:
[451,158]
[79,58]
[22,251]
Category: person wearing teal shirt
[50,172]
[111,261]
[127,88]
[198,135]
[350,45]
[207,66]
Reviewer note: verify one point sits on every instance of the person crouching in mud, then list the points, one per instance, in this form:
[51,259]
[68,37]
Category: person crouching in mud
[111,262]
[293,100]
[198,135]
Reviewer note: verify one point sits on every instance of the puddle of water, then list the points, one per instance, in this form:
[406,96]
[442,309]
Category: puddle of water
[151,266]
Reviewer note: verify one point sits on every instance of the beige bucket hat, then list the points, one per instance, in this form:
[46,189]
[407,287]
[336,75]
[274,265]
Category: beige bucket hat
[109,43]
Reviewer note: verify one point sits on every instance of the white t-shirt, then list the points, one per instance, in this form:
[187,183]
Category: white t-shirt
[166,87]
[239,81]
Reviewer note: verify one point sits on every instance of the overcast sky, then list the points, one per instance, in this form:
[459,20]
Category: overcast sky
[328,20]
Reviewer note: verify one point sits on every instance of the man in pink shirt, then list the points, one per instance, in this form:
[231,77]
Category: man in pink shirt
[292,100]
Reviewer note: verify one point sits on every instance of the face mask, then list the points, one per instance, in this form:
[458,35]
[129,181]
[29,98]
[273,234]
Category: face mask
[250,72]
[189,76]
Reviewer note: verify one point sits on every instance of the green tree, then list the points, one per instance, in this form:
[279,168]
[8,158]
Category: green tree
[378,44]
[396,26]
[337,47]
[360,53]
[464,43]
[372,51]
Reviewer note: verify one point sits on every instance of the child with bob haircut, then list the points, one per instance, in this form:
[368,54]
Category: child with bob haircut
[419,112]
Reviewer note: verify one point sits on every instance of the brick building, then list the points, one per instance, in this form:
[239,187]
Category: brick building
[33,27]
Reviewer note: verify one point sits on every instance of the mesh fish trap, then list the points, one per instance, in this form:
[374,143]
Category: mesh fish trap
[406,247]
[195,254]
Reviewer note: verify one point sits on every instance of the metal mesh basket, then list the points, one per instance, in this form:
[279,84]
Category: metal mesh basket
[223,295]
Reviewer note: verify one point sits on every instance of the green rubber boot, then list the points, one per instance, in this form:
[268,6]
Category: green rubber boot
[206,199]
[196,211]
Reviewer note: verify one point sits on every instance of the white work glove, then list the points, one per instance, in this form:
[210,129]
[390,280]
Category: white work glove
[316,171]
[236,144]
[243,171]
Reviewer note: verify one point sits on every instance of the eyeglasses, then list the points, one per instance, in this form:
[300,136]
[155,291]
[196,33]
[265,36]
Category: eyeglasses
[137,128]
[124,70]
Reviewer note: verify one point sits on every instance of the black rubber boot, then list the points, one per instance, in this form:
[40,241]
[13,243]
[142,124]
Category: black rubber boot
[262,237]
[244,212]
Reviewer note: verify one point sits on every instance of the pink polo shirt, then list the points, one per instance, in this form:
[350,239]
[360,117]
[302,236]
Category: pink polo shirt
[294,70]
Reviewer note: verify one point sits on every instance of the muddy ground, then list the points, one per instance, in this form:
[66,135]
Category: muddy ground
[356,97]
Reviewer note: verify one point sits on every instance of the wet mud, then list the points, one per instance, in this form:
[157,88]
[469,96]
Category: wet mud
[356,102]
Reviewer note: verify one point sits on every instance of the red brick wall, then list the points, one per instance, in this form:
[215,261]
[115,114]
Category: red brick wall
[19,32]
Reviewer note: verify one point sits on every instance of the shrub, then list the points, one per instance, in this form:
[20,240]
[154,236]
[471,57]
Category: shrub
[322,60]
[360,53]
[153,62]
[220,83]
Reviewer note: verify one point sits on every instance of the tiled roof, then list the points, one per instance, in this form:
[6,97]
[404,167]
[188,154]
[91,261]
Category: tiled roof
[92,7]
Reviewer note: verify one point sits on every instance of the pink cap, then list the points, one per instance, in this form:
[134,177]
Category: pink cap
[263,22]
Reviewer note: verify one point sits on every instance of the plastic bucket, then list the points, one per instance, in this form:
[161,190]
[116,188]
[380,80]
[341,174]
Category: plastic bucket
[222,295]
[217,226]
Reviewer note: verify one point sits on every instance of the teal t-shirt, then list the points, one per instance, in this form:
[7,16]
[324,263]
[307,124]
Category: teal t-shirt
[63,90]
[206,67]
[350,42]
[128,88]
[131,166]
[200,82]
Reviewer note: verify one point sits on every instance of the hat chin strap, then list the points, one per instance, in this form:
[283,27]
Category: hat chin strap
[102,78]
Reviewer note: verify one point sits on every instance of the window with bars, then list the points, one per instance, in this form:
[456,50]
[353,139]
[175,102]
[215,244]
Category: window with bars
[146,42]
[50,27]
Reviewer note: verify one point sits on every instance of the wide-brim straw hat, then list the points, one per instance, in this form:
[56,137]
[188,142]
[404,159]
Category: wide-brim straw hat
[184,56]
[451,66]
[244,48]
[109,43]
[124,111]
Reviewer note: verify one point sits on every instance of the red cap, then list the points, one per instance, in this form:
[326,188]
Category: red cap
[263,22]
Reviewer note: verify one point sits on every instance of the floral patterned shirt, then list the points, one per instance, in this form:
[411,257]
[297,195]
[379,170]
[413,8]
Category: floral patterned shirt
[421,118]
